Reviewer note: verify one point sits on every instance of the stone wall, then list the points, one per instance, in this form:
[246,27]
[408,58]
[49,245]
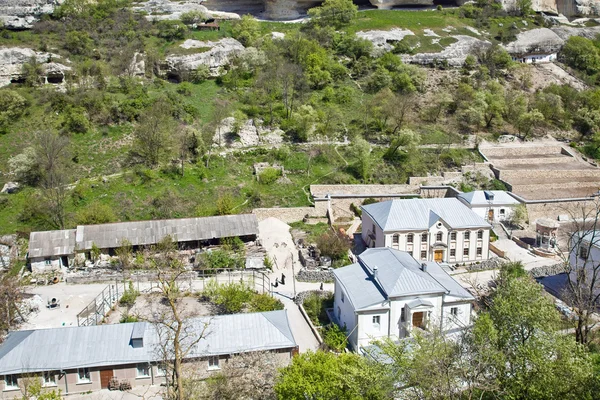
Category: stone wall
[289,215]
[359,190]
[300,297]
[553,210]
[314,275]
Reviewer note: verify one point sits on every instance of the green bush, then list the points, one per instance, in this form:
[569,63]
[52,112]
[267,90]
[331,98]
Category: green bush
[265,302]
[129,296]
[125,318]
[232,243]
[95,213]
[335,337]
[334,245]
[231,298]
[315,307]
[220,259]
[269,175]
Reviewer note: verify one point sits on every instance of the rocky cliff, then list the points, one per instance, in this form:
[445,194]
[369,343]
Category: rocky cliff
[13,58]
[21,14]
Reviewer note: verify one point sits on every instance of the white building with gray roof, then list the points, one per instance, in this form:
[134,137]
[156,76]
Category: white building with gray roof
[86,359]
[388,293]
[491,205]
[441,230]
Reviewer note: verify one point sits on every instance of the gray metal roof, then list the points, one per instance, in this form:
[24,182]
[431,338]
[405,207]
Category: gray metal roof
[398,274]
[421,214]
[482,197]
[418,302]
[139,233]
[51,243]
[104,345]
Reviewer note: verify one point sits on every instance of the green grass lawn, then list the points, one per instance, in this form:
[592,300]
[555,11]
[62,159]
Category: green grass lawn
[416,21]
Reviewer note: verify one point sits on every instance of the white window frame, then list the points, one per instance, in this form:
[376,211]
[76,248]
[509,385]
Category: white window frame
[453,236]
[87,376]
[410,238]
[467,251]
[142,370]
[479,252]
[583,252]
[424,237]
[453,253]
[161,370]
[376,321]
[423,254]
[14,382]
[454,311]
[396,239]
[49,378]
[479,234]
[213,363]
[439,236]
[467,235]
[47,261]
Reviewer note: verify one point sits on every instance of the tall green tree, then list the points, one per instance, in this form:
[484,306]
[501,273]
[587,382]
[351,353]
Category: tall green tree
[152,136]
[334,13]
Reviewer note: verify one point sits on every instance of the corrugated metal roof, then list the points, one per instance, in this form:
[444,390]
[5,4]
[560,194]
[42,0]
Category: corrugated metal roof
[418,302]
[482,197]
[398,274]
[93,346]
[421,214]
[51,243]
[139,233]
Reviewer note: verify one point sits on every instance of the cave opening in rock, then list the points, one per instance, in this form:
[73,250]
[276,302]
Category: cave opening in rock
[17,80]
[55,79]
[445,3]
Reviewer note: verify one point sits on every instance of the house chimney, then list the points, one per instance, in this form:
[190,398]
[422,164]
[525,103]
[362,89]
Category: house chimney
[375,272]
[424,267]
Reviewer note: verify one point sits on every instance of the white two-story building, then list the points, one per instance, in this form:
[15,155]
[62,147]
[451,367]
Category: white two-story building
[584,258]
[387,293]
[441,230]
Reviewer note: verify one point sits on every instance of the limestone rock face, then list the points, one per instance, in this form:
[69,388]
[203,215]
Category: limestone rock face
[13,58]
[250,133]
[383,41]
[388,4]
[455,54]
[217,56]
[565,32]
[22,14]
[541,40]
[171,10]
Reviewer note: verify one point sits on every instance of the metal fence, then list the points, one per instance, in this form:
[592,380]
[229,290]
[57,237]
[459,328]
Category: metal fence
[96,311]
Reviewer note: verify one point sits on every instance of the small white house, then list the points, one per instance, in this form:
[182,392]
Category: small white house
[535,46]
[387,293]
[441,230]
[491,205]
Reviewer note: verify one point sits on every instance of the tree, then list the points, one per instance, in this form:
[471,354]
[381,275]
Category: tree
[361,153]
[581,54]
[152,141]
[519,215]
[11,295]
[328,376]
[12,105]
[334,13]
[178,332]
[246,30]
[528,121]
[333,244]
[248,375]
[33,72]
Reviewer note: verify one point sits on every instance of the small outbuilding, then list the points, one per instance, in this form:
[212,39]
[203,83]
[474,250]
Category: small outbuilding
[491,205]
[535,46]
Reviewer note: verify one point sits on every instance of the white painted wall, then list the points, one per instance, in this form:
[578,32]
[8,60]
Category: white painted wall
[537,58]
[41,265]
[344,313]
[483,212]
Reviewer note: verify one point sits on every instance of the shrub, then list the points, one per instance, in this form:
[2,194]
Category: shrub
[335,337]
[129,296]
[231,298]
[264,302]
[95,213]
[315,307]
[369,200]
[334,245]
[184,89]
[200,74]
[269,175]
[232,243]
[220,259]
[125,318]
[193,17]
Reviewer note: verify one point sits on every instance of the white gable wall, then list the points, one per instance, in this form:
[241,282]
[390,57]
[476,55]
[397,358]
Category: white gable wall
[344,313]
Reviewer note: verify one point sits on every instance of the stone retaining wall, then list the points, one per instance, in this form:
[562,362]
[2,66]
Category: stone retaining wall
[289,215]
[300,297]
[359,190]
[548,270]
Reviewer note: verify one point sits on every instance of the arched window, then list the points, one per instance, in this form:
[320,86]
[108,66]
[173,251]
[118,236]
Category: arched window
[479,234]
[395,240]
[410,238]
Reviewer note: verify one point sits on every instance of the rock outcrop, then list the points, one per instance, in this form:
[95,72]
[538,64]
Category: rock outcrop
[384,40]
[536,41]
[389,4]
[22,14]
[171,10]
[250,133]
[13,58]
[455,54]
[218,55]
[565,32]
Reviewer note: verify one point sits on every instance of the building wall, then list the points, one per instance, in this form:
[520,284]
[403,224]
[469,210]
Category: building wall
[367,331]
[344,313]
[368,229]
[42,265]
[483,212]
[535,59]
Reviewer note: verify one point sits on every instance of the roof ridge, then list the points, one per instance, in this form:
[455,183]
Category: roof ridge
[267,314]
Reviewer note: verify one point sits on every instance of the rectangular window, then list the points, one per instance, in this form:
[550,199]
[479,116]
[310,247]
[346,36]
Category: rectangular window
[453,236]
[11,382]
[439,237]
[466,251]
[424,237]
[454,311]
[213,363]
[409,238]
[396,239]
[479,251]
[376,321]
[452,252]
[502,211]
[143,370]
[583,252]
[342,297]
[467,235]
[83,375]
[423,255]
[47,261]
[479,234]
[49,378]
[161,370]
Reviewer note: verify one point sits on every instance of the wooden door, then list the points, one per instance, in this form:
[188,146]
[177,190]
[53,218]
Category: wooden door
[438,256]
[417,320]
[491,215]
[105,377]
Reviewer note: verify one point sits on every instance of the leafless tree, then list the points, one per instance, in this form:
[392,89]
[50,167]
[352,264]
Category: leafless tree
[11,295]
[178,332]
[247,376]
[582,265]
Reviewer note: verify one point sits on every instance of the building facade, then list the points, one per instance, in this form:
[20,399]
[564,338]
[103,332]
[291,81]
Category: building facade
[87,359]
[440,230]
[492,205]
[388,293]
